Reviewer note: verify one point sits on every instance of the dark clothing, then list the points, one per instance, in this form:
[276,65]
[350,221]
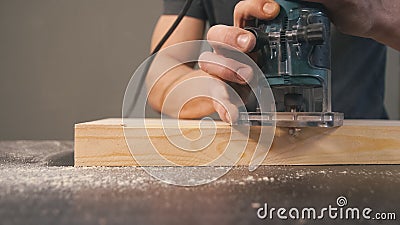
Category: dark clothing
[358,64]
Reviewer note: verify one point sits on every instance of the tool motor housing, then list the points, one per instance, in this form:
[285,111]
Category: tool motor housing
[295,57]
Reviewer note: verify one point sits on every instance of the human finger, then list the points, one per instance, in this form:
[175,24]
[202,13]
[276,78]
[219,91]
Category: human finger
[235,37]
[225,68]
[251,9]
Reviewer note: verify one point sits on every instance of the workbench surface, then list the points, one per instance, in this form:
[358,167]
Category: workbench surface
[39,185]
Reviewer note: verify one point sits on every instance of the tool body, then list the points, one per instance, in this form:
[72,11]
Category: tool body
[296,61]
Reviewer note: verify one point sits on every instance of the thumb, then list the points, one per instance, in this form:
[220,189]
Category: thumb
[251,9]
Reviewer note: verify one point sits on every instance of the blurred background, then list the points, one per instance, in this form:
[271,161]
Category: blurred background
[69,61]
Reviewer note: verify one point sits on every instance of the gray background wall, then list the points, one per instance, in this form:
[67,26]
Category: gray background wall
[67,61]
[392,85]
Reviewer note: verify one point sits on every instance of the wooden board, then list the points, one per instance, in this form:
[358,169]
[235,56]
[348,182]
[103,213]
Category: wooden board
[102,143]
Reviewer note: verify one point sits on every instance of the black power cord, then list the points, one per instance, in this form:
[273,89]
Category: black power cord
[164,39]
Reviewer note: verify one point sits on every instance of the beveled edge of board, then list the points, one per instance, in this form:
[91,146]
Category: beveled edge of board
[156,123]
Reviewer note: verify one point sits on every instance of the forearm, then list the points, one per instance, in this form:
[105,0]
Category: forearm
[376,19]
[179,92]
[387,28]
[170,80]
[175,88]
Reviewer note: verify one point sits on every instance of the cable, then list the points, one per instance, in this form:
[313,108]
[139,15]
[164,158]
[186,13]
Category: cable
[164,39]
[183,12]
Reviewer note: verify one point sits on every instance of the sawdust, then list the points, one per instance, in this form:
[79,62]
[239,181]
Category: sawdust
[24,165]
[39,185]
[38,178]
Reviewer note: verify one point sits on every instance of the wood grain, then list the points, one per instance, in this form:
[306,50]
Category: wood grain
[102,143]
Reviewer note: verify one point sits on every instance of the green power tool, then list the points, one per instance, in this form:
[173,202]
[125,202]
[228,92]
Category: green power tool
[295,59]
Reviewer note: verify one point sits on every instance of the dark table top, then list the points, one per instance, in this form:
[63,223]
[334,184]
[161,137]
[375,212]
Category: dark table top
[39,185]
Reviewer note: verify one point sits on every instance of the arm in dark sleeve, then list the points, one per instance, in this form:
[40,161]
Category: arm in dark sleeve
[173,7]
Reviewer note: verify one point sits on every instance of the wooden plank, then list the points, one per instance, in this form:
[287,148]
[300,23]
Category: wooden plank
[102,143]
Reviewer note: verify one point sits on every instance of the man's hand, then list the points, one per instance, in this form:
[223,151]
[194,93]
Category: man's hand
[245,12]
[354,17]
[238,38]
[376,19]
